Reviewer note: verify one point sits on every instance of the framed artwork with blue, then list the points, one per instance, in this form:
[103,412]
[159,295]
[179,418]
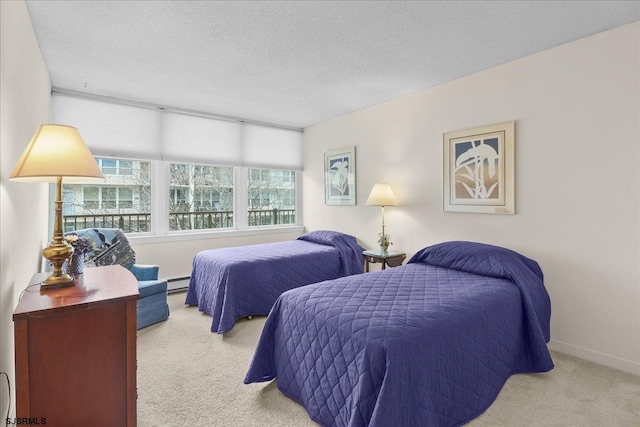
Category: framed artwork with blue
[479,169]
[340,176]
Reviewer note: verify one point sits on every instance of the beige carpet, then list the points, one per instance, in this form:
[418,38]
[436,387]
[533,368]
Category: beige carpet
[188,376]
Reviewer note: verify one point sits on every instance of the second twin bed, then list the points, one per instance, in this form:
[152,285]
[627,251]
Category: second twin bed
[230,283]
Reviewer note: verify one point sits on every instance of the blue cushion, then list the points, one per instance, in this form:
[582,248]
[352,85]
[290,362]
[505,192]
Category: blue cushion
[151,287]
[145,272]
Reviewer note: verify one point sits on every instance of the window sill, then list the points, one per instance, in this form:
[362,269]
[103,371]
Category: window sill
[218,234]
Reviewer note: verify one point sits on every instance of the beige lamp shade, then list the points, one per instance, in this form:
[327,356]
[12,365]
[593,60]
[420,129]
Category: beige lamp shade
[381,195]
[57,151]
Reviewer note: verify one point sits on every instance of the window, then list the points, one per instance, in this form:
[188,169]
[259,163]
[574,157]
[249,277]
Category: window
[108,198]
[108,166]
[122,201]
[200,197]
[125,198]
[271,197]
[91,198]
[183,153]
[125,167]
[206,199]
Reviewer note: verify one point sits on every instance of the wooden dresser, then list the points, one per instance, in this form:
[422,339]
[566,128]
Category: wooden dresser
[75,350]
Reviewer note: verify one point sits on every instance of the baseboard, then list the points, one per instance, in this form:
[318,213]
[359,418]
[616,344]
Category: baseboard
[596,357]
[177,279]
[178,284]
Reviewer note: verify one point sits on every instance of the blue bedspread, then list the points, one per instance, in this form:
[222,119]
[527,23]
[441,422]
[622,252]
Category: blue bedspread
[430,343]
[230,283]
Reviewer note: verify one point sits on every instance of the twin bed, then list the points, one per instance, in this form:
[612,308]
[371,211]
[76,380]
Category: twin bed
[230,283]
[428,343]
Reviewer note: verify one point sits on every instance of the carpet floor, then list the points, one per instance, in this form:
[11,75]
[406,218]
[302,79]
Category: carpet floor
[188,376]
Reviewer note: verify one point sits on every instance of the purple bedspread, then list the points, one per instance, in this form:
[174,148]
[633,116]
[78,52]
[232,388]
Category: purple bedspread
[230,283]
[430,343]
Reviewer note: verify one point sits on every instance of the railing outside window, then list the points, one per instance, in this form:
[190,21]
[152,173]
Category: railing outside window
[129,223]
[200,220]
[141,222]
[271,217]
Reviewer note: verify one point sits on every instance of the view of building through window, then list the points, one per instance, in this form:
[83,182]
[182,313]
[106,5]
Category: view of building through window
[200,197]
[271,197]
[123,200]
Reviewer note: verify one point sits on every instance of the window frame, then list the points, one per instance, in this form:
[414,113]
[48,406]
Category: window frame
[198,169]
[109,195]
[159,228]
[276,184]
[159,232]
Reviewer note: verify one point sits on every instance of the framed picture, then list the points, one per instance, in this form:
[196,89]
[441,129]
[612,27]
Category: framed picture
[340,176]
[479,170]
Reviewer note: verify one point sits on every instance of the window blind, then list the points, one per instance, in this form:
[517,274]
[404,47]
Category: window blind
[272,148]
[113,129]
[193,139]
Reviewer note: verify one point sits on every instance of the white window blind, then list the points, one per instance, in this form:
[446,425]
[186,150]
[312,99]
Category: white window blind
[272,148]
[125,131]
[111,130]
[193,139]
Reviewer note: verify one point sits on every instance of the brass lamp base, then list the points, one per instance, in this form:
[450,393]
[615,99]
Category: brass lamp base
[54,282]
[57,252]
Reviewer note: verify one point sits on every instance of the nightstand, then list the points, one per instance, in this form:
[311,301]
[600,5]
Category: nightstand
[389,258]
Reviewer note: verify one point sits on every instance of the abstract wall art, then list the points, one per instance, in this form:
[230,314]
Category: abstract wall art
[340,176]
[479,170]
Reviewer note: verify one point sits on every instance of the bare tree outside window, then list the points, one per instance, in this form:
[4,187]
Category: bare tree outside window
[122,201]
[271,197]
[200,197]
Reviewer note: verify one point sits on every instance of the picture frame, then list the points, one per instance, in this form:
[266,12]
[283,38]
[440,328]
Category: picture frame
[340,176]
[479,165]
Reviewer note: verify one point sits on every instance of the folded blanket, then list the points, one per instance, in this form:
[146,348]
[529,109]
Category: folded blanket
[110,247]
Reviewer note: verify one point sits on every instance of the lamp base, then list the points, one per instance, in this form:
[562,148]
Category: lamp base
[54,282]
[57,252]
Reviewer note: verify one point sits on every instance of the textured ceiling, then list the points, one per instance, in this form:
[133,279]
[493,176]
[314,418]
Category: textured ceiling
[295,63]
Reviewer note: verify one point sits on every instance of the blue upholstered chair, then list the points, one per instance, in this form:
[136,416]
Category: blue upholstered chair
[152,305]
[111,246]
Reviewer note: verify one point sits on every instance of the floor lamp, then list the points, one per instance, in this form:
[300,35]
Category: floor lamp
[57,152]
[382,195]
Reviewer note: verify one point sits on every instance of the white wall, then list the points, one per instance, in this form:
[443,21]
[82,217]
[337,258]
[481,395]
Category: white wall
[576,109]
[25,98]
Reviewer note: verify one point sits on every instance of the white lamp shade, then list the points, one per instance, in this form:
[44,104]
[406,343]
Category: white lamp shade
[57,151]
[381,195]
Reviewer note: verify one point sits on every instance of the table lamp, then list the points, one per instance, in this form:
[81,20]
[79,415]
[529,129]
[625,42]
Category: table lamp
[56,152]
[381,195]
